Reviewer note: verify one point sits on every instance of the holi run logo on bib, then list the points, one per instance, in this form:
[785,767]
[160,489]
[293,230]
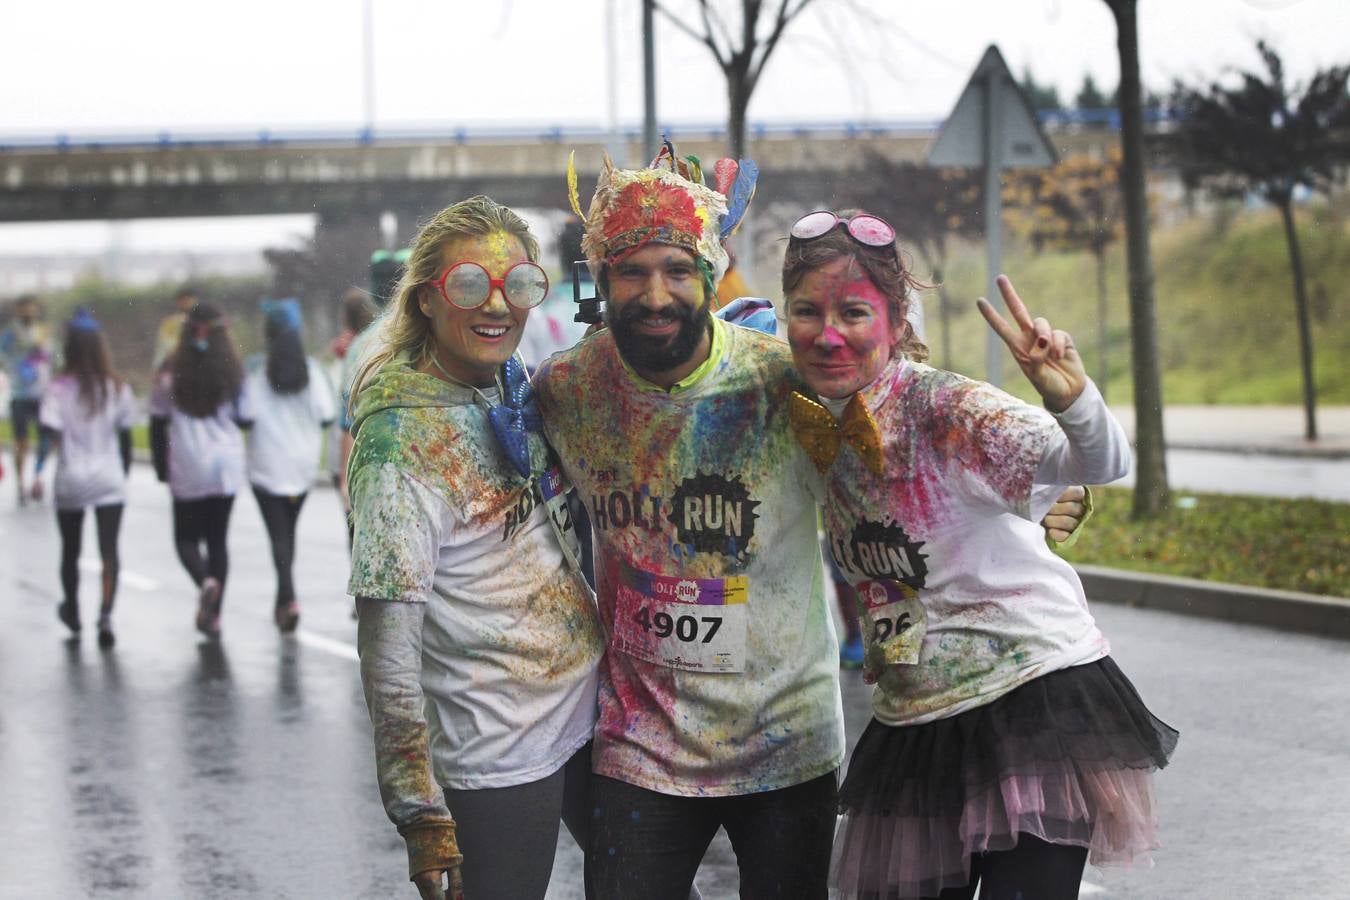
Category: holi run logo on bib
[714,514]
[887,570]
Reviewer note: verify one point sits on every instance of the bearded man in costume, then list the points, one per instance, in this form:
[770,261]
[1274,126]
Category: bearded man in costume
[719,696]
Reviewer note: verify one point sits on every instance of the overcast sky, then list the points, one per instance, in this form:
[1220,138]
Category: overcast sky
[147,66]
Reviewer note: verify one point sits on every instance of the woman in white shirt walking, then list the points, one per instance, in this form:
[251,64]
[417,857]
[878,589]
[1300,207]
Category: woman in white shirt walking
[294,404]
[197,409]
[87,413]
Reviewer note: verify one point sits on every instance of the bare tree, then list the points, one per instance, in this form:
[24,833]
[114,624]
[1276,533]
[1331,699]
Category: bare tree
[1074,206]
[1151,493]
[1266,137]
[742,48]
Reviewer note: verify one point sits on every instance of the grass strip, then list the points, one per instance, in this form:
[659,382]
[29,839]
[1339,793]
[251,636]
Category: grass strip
[140,439]
[1294,545]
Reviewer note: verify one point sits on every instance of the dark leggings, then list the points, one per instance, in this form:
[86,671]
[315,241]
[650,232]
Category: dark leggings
[280,514]
[509,835]
[647,844]
[203,521]
[1034,868]
[108,519]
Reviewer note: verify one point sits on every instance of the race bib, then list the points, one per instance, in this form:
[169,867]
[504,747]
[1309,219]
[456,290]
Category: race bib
[553,489]
[894,619]
[696,624]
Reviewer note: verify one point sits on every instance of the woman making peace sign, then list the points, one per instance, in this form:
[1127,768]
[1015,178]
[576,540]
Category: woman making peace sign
[1006,748]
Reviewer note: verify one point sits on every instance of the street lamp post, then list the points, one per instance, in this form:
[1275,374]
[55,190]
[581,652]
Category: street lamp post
[368,64]
[648,79]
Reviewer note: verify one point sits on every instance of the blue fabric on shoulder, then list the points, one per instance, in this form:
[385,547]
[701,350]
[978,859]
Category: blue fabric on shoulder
[515,417]
[750,312]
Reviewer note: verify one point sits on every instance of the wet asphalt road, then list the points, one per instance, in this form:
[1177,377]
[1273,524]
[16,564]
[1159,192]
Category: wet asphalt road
[170,767]
[1266,476]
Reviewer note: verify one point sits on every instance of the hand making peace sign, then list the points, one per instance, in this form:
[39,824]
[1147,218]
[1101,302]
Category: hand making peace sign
[1047,356]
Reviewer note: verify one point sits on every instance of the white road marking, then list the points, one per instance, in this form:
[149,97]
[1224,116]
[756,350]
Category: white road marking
[40,590]
[92,565]
[327,645]
[124,577]
[1087,889]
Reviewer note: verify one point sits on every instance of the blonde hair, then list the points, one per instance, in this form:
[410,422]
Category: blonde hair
[403,329]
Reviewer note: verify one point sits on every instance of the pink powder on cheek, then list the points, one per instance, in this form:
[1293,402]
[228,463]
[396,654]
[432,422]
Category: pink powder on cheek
[872,344]
[878,354]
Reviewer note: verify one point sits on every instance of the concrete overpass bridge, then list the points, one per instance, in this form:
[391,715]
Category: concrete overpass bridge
[349,180]
[239,173]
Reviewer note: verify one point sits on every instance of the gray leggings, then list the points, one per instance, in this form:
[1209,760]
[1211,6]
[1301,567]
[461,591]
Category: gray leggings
[509,835]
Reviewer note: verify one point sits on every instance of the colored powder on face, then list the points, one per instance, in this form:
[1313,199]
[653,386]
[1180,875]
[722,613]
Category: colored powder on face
[838,317]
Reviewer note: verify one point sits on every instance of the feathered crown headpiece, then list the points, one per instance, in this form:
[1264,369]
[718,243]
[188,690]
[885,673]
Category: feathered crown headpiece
[666,203]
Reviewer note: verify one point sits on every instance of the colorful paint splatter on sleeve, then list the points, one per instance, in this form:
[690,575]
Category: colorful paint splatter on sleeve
[511,641]
[396,536]
[389,641]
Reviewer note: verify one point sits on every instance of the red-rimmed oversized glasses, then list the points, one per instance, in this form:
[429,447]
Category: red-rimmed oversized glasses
[468,285]
[865,228]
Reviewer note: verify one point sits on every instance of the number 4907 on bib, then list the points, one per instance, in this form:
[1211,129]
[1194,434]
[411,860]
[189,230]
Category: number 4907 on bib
[684,623]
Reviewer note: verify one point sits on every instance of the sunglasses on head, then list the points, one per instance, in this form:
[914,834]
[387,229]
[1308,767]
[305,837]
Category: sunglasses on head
[865,228]
[467,285]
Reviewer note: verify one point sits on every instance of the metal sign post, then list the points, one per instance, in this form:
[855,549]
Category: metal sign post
[992,127]
[993,222]
[649,137]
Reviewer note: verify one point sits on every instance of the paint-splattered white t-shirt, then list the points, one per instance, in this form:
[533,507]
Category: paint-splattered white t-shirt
[89,461]
[960,596]
[510,638]
[722,671]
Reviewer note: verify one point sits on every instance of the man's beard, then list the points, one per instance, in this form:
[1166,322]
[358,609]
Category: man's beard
[652,354]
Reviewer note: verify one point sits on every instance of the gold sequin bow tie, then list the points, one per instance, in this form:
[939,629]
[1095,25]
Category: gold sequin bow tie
[820,435]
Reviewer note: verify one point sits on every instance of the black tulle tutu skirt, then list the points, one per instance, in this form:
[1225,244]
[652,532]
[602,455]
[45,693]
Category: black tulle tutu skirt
[1067,757]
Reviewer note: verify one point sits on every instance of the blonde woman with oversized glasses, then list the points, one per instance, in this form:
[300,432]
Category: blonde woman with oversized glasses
[478,636]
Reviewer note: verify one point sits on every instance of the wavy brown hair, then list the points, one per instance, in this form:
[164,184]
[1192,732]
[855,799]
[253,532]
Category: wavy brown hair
[207,372]
[885,266]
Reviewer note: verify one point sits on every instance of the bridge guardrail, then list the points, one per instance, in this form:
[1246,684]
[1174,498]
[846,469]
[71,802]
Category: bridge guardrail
[551,134]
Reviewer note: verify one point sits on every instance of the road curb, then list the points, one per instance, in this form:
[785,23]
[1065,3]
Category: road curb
[1330,454]
[1283,610]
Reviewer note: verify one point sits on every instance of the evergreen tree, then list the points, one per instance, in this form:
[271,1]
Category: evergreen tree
[1265,136]
[1043,97]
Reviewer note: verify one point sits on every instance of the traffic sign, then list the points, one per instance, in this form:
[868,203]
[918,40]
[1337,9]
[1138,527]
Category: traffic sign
[1020,142]
[992,127]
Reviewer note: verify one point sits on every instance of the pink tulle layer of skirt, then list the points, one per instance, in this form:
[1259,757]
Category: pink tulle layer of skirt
[1067,757]
[1111,813]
